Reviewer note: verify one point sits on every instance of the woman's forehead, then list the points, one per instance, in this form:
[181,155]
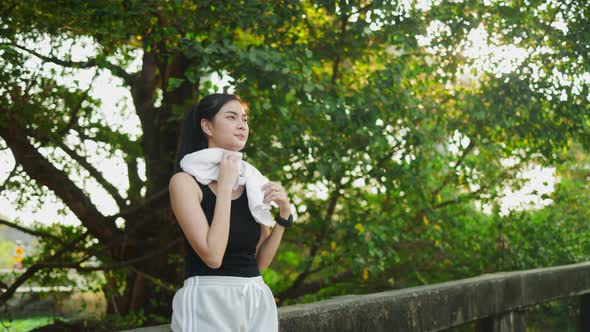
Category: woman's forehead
[233,106]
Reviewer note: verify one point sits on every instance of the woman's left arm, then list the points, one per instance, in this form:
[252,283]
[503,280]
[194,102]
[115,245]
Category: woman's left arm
[270,240]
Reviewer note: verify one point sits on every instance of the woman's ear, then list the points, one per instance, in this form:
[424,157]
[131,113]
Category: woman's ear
[206,127]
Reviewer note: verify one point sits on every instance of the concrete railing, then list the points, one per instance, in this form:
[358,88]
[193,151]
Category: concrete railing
[496,301]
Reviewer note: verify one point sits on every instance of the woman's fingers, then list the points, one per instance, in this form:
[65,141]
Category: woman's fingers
[270,189]
[271,184]
[272,197]
[230,156]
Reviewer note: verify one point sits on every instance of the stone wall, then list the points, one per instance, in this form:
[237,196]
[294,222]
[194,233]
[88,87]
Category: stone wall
[497,300]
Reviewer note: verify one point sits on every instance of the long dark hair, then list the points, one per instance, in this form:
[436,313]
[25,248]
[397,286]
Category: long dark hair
[193,138]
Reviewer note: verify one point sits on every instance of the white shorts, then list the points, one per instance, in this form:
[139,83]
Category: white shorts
[224,303]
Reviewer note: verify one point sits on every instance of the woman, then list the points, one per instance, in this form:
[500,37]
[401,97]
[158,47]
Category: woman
[225,248]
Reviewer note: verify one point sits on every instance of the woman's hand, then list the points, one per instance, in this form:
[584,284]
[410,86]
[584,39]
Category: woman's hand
[228,170]
[274,191]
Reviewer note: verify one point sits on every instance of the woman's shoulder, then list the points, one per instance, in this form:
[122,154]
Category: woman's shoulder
[185,183]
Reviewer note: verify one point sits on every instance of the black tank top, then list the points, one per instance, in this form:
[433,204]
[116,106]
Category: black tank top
[244,233]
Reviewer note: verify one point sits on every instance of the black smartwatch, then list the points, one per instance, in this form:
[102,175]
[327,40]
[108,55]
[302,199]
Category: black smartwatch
[284,222]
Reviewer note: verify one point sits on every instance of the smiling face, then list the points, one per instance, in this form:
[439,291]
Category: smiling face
[229,129]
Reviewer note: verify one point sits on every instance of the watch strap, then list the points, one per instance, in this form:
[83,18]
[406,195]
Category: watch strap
[284,222]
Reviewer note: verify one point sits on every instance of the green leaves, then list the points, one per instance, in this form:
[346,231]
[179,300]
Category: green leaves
[174,83]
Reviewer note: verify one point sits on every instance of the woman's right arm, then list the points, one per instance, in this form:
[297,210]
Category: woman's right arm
[209,242]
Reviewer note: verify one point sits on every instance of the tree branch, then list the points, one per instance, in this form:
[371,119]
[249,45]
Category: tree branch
[7,294]
[325,226]
[169,287]
[74,112]
[109,187]
[45,173]
[343,22]
[336,65]
[9,9]
[312,287]
[96,62]
[30,231]
[474,194]
[318,241]
[138,207]
[11,174]
[108,135]
[450,175]
[114,266]
[461,198]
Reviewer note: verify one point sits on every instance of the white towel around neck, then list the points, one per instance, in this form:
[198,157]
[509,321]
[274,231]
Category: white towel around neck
[204,166]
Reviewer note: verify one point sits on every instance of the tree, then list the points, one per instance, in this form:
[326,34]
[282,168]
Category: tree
[364,100]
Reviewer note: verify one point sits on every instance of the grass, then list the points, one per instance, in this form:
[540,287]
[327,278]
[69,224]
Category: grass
[25,324]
